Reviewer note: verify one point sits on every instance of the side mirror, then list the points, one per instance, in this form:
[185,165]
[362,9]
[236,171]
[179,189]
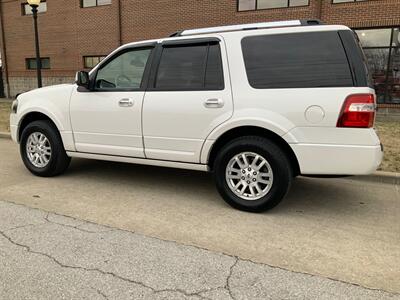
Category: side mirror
[82,79]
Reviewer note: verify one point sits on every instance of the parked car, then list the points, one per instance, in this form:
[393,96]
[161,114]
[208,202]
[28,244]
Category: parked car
[254,104]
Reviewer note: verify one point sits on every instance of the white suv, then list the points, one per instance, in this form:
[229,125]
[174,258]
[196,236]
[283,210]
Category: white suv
[255,104]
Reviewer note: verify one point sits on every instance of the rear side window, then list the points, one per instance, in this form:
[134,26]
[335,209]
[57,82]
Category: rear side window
[298,60]
[190,67]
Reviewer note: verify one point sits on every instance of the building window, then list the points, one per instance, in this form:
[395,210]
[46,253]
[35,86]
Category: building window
[246,5]
[92,3]
[90,62]
[382,52]
[344,1]
[31,63]
[27,9]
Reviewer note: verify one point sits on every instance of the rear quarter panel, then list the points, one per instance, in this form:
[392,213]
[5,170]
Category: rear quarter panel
[283,110]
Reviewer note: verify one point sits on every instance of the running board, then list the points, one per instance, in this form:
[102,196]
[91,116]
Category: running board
[141,161]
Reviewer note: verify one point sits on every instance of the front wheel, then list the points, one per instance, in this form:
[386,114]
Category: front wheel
[252,174]
[42,150]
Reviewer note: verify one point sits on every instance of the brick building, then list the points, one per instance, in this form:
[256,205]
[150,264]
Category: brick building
[76,34]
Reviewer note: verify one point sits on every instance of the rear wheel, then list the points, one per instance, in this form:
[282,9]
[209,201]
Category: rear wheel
[42,150]
[252,174]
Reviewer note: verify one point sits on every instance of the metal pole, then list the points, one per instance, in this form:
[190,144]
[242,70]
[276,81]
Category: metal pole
[4,48]
[119,23]
[38,59]
[389,66]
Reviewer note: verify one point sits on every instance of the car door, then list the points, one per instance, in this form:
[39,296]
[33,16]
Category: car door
[107,118]
[189,95]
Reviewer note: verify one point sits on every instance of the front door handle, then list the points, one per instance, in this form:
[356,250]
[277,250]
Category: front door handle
[214,103]
[126,102]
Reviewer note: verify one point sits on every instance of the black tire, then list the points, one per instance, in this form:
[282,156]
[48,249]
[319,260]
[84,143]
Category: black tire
[278,161]
[59,161]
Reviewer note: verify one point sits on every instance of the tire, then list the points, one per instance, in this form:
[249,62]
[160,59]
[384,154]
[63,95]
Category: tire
[57,162]
[276,160]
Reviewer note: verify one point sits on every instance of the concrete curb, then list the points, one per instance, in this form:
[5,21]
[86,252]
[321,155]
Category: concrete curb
[5,135]
[379,176]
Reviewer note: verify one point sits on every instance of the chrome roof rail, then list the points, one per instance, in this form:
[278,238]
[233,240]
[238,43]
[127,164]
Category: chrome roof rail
[250,26]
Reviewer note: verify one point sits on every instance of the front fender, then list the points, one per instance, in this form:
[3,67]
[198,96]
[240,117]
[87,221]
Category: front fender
[52,102]
[36,109]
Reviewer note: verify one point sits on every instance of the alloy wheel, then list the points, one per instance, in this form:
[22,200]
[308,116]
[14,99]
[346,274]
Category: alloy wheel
[249,176]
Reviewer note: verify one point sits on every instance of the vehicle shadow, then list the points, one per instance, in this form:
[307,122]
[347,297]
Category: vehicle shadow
[326,196]
[306,196]
[125,172]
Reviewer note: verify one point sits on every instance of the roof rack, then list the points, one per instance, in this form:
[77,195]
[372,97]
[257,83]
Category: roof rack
[251,26]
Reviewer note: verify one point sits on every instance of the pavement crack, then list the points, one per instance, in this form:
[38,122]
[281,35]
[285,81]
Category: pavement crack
[77,227]
[47,213]
[195,294]
[227,285]
[22,226]
[116,276]
[228,278]
[187,245]
[101,294]
[27,248]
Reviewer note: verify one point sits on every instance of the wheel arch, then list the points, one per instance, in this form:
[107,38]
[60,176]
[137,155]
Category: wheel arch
[31,117]
[241,131]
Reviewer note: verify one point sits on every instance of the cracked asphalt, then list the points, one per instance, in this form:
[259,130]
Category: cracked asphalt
[120,231]
[49,256]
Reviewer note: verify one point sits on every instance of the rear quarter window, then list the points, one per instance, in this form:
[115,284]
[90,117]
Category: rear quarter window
[296,60]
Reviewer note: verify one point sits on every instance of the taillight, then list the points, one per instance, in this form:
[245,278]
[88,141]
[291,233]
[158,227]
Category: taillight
[358,111]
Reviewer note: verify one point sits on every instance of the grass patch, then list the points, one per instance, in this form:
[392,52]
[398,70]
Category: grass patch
[388,131]
[389,134]
[5,109]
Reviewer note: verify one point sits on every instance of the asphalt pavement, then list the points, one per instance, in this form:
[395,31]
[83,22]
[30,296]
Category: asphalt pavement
[49,256]
[119,231]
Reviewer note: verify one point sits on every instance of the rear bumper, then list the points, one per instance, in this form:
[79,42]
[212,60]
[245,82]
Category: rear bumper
[326,159]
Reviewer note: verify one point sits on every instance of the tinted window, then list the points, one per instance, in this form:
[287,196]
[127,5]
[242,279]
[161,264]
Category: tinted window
[123,72]
[214,72]
[194,67]
[300,60]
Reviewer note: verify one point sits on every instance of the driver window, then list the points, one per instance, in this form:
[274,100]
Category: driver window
[123,72]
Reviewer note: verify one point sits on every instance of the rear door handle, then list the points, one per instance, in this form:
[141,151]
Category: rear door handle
[126,102]
[214,103]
